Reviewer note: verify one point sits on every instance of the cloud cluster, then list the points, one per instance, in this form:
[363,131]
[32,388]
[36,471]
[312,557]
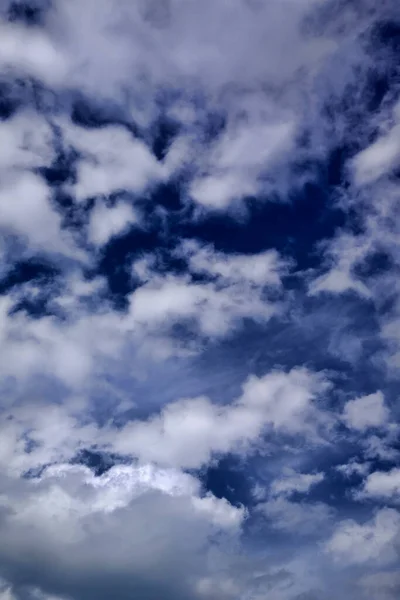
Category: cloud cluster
[199,299]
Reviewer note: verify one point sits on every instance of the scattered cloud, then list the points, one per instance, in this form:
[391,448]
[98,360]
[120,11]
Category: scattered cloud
[199,296]
[373,541]
[366,412]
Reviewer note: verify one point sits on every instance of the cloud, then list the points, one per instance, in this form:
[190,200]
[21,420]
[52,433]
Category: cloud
[265,268]
[27,142]
[188,432]
[31,52]
[239,287]
[293,518]
[48,346]
[106,222]
[384,584]
[127,525]
[26,211]
[211,350]
[343,252]
[381,156]
[225,56]
[238,159]
[383,484]
[366,412]
[110,160]
[295,482]
[373,541]
[353,468]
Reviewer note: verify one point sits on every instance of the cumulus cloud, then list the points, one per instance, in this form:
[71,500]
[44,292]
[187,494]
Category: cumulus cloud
[108,222]
[27,142]
[187,433]
[381,484]
[32,53]
[365,412]
[238,287]
[26,211]
[373,541]
[81,525]
[110,160]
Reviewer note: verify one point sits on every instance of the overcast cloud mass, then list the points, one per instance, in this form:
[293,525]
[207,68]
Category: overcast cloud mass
[199,299]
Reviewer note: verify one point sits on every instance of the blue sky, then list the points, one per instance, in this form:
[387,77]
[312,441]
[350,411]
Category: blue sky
[199,299]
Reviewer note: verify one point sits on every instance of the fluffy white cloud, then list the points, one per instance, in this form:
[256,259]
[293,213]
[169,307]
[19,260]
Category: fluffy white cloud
[71,349]
[373,541]
[65,349]
[26,211]
[188,432]
[226,54]
[238,159]
[111,160]
[106,222]
[26,208]
[239,288]
[27,142]
[31,52]
[383,484]
[365,412]
[265,268]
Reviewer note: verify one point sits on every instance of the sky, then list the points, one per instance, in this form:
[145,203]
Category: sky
[199,299]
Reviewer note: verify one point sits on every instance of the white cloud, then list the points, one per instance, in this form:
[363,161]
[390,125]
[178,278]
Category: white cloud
[238,159]
[26,211]
[65,349]
[106,222]
[383,484]
[265,268]
[25,198]
[373,541]
[31,52]
[382,156]
[292,482]
[188,432]
[354,468]
[296,517]
[27,142]
[111,160]
[225,43]
[226,54]
[239,288]
[147,529]
[382,448]
[366,412]
[343,253]
[74,349]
